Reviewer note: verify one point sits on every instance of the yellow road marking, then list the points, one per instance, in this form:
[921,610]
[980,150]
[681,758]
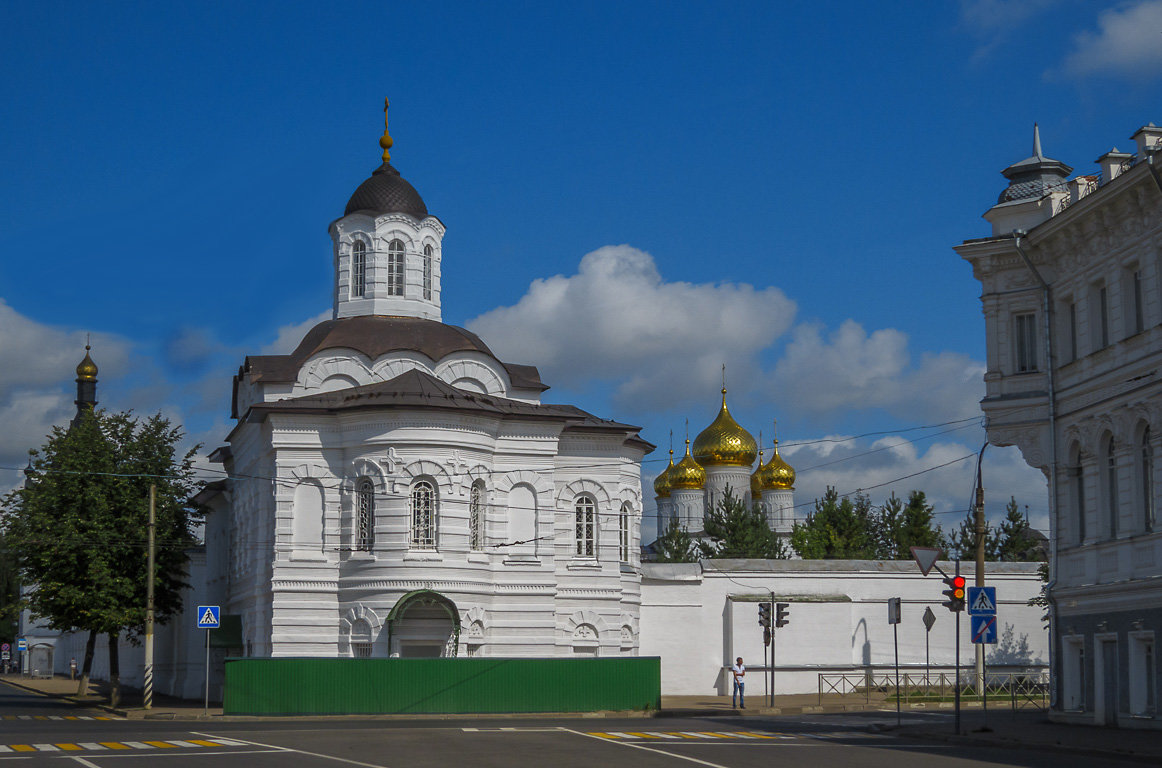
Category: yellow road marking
[596,733]
[204,743]
[643,735]
[161,744]
[23,748]
[68,747]
[40,717]
[760,735]
[113,744]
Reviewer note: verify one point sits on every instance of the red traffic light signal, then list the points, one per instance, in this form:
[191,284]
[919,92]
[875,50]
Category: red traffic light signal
[954,593]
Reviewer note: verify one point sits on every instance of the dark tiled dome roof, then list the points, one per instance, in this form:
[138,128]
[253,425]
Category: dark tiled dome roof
[387,192]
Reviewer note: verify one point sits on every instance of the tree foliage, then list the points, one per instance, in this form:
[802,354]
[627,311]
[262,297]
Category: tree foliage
[735,529]
[851,528]
[1014,540]
[675,545]
[78,528]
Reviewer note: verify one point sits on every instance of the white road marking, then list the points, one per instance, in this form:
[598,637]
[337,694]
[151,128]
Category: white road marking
[84,762]
[92,746]
[46,747]
[647,749]
[138,745]
[298,751]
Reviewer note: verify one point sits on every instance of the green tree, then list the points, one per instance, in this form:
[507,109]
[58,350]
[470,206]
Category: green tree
[916,527]
[78,528]
[837,529]
[961,543]
[1016,539]
[1041,599]
[734,529]
[675,545]
[9,593]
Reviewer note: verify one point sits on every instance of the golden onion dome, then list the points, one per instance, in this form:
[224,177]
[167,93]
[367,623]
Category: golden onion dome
[775,475]
[87,369]
[687,475]
[756,485]
[724,442]
[662,481]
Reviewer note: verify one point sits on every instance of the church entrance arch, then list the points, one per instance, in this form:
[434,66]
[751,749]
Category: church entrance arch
[423,624]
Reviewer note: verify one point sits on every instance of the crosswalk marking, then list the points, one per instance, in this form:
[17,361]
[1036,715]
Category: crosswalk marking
[92,746]
[685,735]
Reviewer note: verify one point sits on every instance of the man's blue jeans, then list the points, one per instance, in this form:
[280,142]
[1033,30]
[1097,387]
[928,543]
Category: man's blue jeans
[738,688]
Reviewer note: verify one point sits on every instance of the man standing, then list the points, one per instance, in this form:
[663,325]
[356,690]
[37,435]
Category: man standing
[739,672]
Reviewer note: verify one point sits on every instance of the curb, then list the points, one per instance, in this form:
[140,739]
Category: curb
[1004,743]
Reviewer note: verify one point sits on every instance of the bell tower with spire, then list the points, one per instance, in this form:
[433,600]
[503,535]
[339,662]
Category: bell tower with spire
[387,247]
[86,385]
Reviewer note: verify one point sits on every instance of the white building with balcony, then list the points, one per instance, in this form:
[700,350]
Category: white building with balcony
[1072,297]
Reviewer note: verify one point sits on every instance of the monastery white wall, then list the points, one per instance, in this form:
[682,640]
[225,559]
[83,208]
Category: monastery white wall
[698,617]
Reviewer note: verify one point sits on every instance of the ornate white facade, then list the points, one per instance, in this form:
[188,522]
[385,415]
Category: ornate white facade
[1072,299]
[397,490]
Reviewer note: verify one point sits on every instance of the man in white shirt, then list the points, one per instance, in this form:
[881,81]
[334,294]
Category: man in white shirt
[739,671]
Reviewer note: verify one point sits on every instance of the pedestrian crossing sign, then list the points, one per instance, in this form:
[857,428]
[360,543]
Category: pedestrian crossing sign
[208,616]
[982,601]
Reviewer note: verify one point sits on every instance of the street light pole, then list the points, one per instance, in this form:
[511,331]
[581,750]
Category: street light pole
[147,690]
[979,525]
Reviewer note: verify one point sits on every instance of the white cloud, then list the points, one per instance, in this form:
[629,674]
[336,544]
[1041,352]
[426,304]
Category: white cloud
[994,21]
[852,369]
[1128,42]
[288,336]
[618,321]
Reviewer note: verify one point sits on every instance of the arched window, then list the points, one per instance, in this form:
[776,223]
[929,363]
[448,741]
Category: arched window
[428,272]
[395,255]
[365,516]
[424,511]
[1147,471]
[1077,476]
[623,533]
[586,520]
[358,268]
[361,639]
[476,518]
[1112,485]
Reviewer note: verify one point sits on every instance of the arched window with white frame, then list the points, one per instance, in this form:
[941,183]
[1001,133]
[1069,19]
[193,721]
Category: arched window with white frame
[428,272]
[361,639]
[1146,470]
[623,529]
[1111,471]
[585,517]
[358,269]
[424,505]
[365,516]
[476,517]
[395,268]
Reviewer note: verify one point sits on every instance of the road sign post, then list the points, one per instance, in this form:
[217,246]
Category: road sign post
[209,617]
[894,620]
[929,621]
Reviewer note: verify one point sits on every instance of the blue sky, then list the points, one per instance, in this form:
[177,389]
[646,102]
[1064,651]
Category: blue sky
[776,186]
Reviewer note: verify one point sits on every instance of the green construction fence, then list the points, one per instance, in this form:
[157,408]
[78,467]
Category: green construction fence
[444,686]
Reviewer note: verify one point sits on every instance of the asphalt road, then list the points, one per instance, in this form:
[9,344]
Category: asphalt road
[37,731]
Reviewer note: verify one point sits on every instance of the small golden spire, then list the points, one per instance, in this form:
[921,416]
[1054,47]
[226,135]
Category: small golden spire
[87,369]
[385,140]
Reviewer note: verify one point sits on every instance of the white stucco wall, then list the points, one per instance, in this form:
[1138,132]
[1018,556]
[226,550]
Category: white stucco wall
[698,617]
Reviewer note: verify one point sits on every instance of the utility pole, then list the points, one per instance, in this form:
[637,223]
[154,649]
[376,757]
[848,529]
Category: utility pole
[979,525]
[147,691]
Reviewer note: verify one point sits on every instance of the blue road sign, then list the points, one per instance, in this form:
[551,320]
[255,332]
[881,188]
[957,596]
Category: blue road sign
[21,644]
[982,601]
[984,629]
[209,616]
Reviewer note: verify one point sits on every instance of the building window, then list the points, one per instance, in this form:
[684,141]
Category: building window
[1147,470]
[1103,320]
[476,518]
[1072,331]
[1139,317]
[395,263]
[1112,486]
[586,526]
[358,269]
[1074,677]
[623,533]
[1078,494]
[424,514]
[365,519]
[1025,331]
[361,639]
[428,272]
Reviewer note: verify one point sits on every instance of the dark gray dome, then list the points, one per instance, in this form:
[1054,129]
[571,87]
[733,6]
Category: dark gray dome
[387,192]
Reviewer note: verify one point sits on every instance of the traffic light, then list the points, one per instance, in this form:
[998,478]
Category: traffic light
[764,614]
[782,614]
[954,593]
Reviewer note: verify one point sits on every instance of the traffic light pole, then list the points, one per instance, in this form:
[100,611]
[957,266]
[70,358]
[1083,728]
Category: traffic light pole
[956,685]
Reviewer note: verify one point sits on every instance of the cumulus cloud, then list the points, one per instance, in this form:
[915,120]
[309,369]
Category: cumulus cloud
[851,368]
[618,321]
[288,336]
[993,21]
[1128,41]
